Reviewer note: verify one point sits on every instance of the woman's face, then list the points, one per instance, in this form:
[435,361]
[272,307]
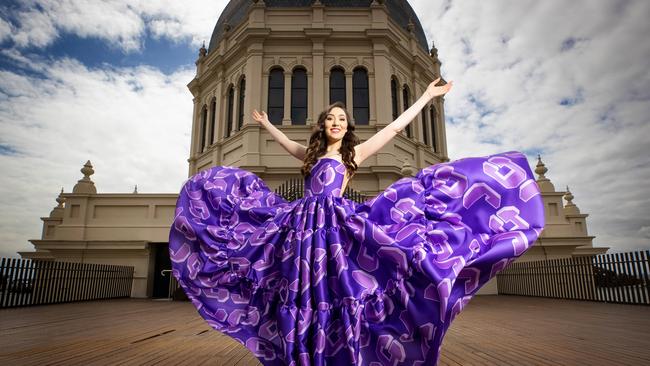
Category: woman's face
[336,125]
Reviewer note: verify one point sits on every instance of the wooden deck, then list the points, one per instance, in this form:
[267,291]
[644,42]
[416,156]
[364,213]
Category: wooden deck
[492,330]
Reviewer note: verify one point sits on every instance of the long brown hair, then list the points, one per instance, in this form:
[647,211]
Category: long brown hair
[318,143]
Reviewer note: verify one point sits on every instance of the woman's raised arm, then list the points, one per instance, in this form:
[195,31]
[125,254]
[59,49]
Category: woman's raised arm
[381,138]
[294,148]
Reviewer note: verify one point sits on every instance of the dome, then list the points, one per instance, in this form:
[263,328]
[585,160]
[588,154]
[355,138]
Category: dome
[398,10]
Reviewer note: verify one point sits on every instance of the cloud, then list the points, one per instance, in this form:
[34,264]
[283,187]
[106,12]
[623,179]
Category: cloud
[531,78]
[133,124]
[5,30]
[122,24]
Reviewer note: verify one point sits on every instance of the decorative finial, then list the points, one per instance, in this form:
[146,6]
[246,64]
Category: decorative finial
[410,26]
[569,197]
[226,26]
[544,183]
[85,185]
[57,211]
[135,190]
[434,51]
[60,199]
[570,208]
[541,168]
[87,170]
[203,51]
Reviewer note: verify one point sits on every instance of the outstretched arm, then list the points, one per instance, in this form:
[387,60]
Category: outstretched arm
[294,148]
[381,138]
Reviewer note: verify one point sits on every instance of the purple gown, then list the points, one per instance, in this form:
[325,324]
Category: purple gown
[324,280]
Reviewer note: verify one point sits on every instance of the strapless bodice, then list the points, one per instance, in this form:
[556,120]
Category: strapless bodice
[326,178]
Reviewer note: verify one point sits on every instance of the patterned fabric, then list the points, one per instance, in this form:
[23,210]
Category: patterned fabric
[323,280]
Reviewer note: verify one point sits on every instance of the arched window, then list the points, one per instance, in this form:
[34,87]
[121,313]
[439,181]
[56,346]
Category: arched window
[231,101]
[337,85]
[204,127]
[432,120]
[360,98]
[242,93]
[299,97]
[276,96]
[425,127]
[213,119]
[393,98]
[406,99]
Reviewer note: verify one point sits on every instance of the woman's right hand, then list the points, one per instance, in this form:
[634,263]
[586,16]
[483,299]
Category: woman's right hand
[260,117]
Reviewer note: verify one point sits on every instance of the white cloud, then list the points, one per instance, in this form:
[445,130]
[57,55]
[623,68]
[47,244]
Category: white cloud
[122,24]
[519,62]
[5,30]
[132,135]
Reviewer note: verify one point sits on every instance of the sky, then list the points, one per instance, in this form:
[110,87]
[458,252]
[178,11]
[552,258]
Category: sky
[107,82]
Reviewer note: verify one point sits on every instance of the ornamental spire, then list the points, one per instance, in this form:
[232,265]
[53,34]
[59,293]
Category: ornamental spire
[85,185]
[544,183]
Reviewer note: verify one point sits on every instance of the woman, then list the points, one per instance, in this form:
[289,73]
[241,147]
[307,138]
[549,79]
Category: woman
[323,280]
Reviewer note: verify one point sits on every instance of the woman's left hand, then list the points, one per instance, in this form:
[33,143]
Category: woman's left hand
[434,91]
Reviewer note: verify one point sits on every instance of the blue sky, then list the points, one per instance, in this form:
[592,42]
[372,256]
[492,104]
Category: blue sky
[106,82]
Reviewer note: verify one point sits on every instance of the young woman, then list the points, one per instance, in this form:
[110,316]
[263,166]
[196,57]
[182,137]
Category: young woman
[335,134]
[323,280]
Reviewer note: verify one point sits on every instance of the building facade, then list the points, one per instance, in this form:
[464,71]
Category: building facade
[291,59]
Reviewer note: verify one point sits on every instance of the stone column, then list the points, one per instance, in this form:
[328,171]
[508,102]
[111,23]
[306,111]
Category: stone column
[348,93]
[219,130]
[253,100]
[382,74]
[286,119]
[372,114]
[318,80]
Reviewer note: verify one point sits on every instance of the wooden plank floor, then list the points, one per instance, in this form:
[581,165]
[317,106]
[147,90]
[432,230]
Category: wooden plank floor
[492,330]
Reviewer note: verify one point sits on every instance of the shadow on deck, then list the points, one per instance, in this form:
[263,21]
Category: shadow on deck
[491,330]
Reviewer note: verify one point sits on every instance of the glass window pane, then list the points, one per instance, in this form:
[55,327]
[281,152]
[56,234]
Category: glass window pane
[276,98]
[276,79]
[360,98]
[275,115]
[337,95]
[393,98]
[299,79]
[432,122]
[425,129]
[360,78]
[298,116]
[337,79]
[361,116]
[299,98]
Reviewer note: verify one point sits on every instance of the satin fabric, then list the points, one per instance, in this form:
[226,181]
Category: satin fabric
[323,280]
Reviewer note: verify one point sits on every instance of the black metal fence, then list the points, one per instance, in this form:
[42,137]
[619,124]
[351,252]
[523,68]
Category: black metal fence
[293,189]
[617,277]
[25,282]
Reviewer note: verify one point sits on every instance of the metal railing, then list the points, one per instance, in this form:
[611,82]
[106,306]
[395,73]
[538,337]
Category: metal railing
[617,277]
[293,189]
[25,282]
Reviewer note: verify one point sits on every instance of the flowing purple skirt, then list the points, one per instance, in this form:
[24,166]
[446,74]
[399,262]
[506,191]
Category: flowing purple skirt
[326,281]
